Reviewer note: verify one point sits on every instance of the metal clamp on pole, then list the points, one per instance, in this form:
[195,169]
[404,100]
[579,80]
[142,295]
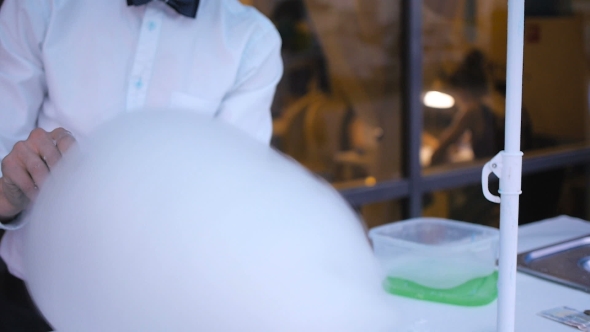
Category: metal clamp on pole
[492,166]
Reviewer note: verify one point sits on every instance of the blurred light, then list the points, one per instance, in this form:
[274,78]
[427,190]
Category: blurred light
[436,99]
[370,181]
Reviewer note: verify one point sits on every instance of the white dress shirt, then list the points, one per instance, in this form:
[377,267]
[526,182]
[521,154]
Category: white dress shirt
[78,63]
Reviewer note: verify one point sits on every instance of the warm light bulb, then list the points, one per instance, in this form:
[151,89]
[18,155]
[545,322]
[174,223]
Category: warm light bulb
[370,181]
[436,99]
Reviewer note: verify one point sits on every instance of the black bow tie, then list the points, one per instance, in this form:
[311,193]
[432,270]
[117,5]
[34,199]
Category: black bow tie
[187,8]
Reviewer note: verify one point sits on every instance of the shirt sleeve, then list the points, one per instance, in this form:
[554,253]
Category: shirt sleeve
[22,80]
[247,104]
[23,25]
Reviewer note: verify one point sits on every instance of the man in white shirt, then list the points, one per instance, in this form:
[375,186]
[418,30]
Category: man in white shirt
[66,66]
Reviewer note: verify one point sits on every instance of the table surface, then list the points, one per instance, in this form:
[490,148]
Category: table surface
[533,295]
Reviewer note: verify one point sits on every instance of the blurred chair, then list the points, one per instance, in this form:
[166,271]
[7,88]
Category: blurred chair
[310,131]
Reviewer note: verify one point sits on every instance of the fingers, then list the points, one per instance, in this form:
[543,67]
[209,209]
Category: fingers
[17,184]
[50,146]
[63,139]
[34,165]
[27,166]
[41,143]
[24,169]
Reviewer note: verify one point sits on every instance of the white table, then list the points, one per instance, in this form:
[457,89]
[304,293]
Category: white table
[532,294]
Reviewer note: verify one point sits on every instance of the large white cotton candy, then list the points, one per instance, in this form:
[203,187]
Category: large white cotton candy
[168,221]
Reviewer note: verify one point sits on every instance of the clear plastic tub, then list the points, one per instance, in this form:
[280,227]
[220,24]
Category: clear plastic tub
[438,259]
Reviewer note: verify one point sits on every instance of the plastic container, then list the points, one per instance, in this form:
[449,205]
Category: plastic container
[439,260]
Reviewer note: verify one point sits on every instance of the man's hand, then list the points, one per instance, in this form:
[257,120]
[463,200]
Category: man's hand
[27,166]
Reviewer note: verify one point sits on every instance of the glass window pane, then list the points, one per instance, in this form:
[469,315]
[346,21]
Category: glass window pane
[337,108]
[462,106]
[465,80]
[545,195]
[381,213]
[463,204]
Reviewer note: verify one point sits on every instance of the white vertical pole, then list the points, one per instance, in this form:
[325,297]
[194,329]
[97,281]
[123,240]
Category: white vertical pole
[510,181]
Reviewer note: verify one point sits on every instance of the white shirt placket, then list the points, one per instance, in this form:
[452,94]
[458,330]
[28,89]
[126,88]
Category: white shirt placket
[145,55]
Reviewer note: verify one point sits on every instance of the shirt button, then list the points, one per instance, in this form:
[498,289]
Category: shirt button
[151,25]
[138,84]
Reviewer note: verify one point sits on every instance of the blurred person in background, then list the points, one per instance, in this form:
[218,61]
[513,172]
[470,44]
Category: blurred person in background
[474,121]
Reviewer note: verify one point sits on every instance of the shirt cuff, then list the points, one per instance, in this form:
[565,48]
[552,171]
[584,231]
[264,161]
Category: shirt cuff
[14,223]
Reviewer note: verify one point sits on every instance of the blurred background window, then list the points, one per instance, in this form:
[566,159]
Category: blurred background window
[344,108]
[340,108]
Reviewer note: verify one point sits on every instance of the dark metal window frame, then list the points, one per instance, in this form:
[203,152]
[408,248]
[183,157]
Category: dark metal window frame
[418,181]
